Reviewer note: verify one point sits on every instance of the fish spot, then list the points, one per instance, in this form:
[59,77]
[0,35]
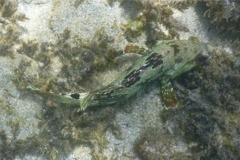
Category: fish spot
[75,95]
[157,62]
[154,60]
[131,78]
[176,49]
[153,55]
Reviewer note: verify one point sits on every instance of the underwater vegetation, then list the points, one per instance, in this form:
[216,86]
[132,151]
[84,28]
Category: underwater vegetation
[9,30]
[224,14]
[210,120]
[205,126]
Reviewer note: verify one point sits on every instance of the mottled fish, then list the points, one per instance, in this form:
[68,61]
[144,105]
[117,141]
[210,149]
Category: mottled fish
[165,61]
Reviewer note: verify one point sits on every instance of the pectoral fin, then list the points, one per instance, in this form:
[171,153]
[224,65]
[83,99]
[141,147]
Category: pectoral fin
[168,96]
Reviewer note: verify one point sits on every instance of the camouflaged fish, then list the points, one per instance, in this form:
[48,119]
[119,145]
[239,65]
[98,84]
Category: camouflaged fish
[165,61]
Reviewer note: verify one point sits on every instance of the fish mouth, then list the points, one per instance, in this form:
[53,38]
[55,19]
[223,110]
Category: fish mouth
[204,55]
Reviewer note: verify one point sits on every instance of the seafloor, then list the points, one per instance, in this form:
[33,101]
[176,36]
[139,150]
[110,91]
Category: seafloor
[83,45]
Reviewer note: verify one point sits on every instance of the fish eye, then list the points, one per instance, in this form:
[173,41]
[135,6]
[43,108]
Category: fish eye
[200,58]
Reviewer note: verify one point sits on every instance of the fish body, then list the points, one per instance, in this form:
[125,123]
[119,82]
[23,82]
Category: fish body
[165,61]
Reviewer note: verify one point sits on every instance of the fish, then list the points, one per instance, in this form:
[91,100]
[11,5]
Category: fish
[166,60]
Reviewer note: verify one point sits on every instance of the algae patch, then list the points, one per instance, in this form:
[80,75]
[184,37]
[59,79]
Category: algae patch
[225,15]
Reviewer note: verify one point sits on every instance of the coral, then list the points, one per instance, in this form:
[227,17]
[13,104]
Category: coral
[154,144]
[154,19]
[210,118]
[9,29]
[150,15]
[8,8]
[182,4]
[87,128]
[225,14]
[75,61]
